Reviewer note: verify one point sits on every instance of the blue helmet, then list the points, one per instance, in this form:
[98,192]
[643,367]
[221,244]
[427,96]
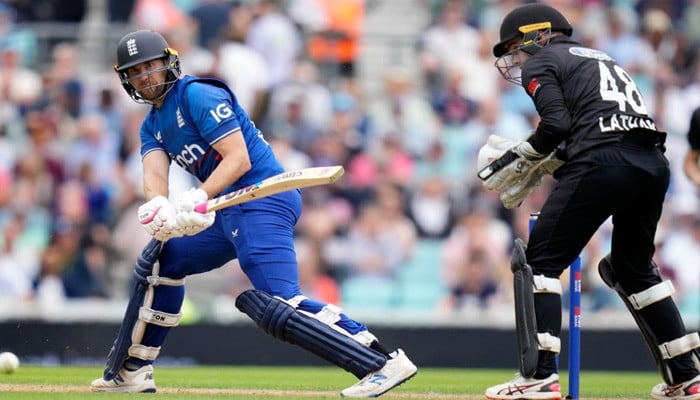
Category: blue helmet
[142,46]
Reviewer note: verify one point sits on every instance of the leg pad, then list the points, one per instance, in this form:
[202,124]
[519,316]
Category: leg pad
[282,321]
[525,319]
[662,352]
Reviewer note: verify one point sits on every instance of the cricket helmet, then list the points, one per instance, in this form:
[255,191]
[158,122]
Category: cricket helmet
[526,21]
[142,46]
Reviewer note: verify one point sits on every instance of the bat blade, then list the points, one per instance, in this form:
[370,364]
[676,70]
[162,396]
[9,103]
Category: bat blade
[288,180]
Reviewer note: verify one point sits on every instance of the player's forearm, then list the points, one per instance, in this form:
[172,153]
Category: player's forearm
[156,168]
[154,186]
[226,173]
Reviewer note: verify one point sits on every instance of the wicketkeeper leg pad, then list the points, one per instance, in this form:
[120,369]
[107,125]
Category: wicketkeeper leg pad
[662,352]
[315,333]
[139,313]
[525,286]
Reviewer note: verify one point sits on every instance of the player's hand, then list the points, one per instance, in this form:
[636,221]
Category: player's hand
[189,221]
[513,196]
[159,218]
[514,165]
[514,168]
[494,148]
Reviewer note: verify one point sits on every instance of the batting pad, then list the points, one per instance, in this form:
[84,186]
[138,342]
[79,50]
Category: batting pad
[119,351]
[284,322]
[525,319]
[663,352]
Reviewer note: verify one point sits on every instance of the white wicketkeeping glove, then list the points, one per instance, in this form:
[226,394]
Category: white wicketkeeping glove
[516,171]
[159,218]
[190,221]
[514,165]
[514,195]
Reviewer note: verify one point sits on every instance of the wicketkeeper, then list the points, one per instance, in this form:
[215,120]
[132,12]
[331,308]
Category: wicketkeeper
[611,164]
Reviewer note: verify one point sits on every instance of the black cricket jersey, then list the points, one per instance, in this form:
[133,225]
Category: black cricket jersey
[584,98]
[694,130]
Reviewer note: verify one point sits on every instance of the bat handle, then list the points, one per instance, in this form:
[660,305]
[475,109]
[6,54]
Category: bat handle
[201,208]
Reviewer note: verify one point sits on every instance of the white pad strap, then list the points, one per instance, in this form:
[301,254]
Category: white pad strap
[329,315]
[155,280]
[680,346]
[365,338]
[144,352]
[147,315]
[151,316]
[542,284]
[294,301]
[550,343]
[651,295]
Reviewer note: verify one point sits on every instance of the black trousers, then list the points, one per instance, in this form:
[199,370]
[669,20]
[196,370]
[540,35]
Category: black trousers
[628,182]
[625,181]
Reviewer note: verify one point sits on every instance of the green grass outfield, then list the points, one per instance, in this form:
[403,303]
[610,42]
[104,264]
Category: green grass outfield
[298,383]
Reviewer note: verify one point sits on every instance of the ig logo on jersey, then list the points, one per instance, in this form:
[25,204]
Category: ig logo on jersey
[221,112]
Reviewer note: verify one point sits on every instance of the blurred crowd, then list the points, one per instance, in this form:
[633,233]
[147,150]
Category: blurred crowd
[409,220]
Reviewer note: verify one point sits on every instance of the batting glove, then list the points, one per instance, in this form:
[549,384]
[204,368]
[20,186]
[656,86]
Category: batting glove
[189,221]
[159,218]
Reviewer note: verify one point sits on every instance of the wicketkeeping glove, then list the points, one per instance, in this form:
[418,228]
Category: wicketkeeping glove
[514,168]
[514,195]
[159,218]
[191,222]
[514,165]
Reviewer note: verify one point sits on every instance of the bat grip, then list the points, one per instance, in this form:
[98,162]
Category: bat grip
[201,208]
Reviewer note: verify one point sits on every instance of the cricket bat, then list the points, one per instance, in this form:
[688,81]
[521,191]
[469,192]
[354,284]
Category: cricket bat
[289,180]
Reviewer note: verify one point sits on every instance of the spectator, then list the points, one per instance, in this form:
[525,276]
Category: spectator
[20,87]
[391,200]
[87,277]
[372,248]
[243,67]
[335,43]
[402,110]
[293,125]
[95,148]
[19,263]
[474,285]
[453,107]
[312,278]
[316,107]
[193,57]
[450,43]
[158,15]
[276,38]
[211,20]
[431,208]
[48,285]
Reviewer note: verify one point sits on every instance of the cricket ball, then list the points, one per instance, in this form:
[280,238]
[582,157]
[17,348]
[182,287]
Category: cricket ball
[8,362]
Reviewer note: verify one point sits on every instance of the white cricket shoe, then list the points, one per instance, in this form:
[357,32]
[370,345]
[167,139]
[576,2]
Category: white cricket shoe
[139,381]
[395,372]
[688,390]
[526,388]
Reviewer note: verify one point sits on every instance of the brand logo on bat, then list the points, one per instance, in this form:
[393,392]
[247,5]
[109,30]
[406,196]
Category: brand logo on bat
[290,175]
[238,193]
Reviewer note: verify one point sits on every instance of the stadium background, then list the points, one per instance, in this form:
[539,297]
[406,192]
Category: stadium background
[408,240]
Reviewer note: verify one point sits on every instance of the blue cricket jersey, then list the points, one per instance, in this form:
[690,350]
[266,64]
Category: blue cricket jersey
[196,113]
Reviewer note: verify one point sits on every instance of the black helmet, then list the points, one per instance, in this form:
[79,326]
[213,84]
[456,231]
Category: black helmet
[141,46]
[530,18]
